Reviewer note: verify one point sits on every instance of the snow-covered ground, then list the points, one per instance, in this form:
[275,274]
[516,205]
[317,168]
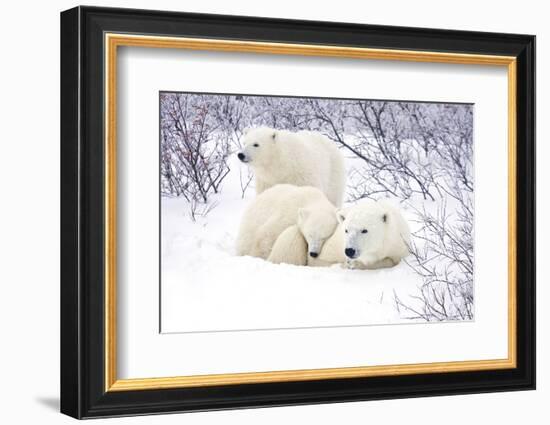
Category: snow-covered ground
[206,287]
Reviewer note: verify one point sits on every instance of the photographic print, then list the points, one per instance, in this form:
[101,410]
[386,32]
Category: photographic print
[279,235]
[297,212]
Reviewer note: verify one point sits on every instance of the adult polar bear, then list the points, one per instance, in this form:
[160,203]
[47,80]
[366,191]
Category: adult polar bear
[371,235]
[304,158]
[280,207]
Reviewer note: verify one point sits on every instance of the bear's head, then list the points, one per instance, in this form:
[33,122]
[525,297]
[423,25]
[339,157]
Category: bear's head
[258,146]
[316,224]
[364,227]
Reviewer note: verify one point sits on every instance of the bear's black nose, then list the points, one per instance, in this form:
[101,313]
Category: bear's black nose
[350,252]
[314,254]
[240,155]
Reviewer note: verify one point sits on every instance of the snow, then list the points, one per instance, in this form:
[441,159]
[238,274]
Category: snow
[206,287]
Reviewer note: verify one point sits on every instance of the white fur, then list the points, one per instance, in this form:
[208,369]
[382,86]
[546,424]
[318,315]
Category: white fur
[316,224]
[384,243]
[304,158]
[290,248]
[332,252]
[304,240]
[280,207]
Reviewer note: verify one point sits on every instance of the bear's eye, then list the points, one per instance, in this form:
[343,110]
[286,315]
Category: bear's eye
[364,231]
[346,230]
[256,145]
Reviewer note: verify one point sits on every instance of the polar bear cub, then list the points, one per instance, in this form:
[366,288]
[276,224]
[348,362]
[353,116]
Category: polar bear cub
[304,158]
[371,235]
[306,238]
[290,248]
[277,209]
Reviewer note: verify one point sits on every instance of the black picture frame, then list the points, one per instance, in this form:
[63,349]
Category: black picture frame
[83,392]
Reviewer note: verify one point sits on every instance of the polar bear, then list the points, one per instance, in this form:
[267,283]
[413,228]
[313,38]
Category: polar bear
[290,248]
[332,251]
[376,235]
[371,235]
[306,238]
[304,158]
[280,207]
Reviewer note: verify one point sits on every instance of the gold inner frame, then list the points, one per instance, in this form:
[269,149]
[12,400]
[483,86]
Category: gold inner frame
[113,41]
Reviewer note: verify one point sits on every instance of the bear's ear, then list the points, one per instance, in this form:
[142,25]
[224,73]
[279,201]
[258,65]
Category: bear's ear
[303,214]
[341,215]
[385,218]
[246,130]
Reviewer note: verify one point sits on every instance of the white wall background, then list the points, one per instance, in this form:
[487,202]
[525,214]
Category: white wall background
[29,216]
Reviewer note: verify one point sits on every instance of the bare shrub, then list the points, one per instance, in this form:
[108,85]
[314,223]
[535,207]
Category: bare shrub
[193,157]
[442,254]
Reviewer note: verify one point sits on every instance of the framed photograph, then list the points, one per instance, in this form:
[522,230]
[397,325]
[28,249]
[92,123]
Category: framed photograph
[262,212]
